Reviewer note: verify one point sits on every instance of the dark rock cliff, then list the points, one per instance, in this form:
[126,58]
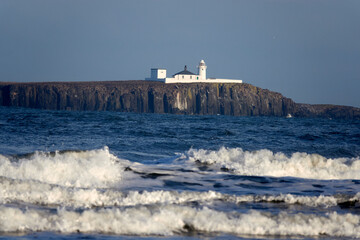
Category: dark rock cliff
[155,97]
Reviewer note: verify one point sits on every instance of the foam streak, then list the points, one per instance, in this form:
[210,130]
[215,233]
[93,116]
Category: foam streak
[171,220]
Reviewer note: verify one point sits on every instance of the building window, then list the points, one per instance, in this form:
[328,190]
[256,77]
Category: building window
[183,77]
[190,77]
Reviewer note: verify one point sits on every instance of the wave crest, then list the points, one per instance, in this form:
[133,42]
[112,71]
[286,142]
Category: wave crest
[95,168]
[36,193]
[170,220]
[266,163]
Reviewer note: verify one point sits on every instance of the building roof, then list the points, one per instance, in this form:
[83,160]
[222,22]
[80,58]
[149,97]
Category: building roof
[185,72]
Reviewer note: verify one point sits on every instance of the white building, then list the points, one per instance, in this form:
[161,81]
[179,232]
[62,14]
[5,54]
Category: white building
[159,74]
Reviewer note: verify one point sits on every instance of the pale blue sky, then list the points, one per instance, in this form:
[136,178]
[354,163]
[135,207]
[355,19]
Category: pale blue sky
[309,50]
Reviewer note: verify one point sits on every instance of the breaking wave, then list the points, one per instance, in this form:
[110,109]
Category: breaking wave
[266,163]
[46,194]
[171,219]
[37,193]
[95,168]
[81,191]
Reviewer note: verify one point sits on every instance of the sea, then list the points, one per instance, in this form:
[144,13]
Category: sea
[116,175]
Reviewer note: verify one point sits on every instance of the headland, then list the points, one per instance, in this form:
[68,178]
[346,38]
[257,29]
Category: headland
[237,99]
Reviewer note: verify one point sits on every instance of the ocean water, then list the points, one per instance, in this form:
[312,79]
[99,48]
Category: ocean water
[112,175]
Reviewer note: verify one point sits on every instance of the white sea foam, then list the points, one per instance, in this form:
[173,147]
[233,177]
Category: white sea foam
[37,193]
[14,191]
[96,168]
[266,163]
[170,219]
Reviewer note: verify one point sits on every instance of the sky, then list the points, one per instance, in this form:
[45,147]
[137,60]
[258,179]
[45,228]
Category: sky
[308,50]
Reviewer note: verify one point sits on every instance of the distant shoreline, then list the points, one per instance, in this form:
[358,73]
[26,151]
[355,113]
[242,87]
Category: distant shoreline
[237,99]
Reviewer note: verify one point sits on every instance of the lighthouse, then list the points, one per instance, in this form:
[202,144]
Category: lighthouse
[185,76]
[202,70]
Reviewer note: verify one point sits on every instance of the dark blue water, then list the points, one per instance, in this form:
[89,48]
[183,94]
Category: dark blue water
[124,175]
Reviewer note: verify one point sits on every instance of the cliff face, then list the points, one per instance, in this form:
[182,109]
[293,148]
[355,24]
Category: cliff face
[155,97]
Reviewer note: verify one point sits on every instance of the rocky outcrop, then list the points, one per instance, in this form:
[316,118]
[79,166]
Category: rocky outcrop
[155,97]
[327,111]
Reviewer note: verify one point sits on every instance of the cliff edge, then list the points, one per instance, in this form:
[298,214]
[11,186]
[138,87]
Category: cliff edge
[156,97]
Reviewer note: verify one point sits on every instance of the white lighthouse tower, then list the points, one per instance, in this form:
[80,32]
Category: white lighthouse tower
[202,70]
